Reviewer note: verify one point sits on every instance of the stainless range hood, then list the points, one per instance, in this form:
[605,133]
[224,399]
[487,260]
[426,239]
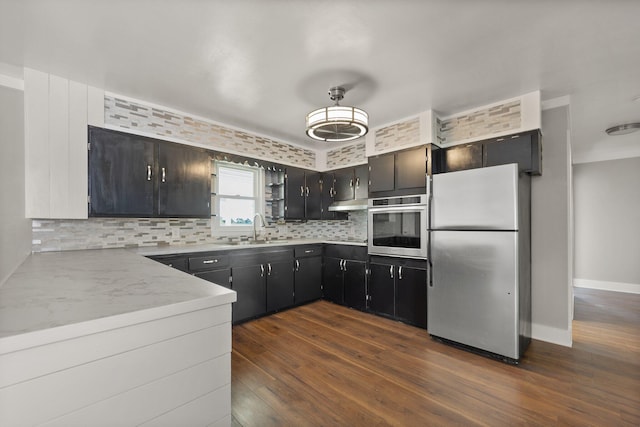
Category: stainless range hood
[348,205]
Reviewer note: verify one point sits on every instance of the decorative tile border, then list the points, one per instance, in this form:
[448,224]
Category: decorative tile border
[398,135]
[104,233]
[144,118]
[483,122]
[347,155]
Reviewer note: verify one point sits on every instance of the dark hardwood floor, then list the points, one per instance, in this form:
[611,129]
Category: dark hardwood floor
[323,364]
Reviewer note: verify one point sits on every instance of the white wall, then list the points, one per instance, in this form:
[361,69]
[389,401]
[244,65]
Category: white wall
[607,224]
[15,229]
[550,233]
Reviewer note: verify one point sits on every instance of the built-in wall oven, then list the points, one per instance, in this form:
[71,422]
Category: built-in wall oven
[397,226]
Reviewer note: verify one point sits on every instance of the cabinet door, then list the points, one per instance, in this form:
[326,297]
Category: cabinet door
[328,190]
[184,181]
[355,284]
[411,296]
[411,169]
[308,279]
[279,285]
[332,287]
[513,149]
[381,174]
[175,261]
[463,157]
[219,277]
[314,195]
[361,183]
[249,283]
[294,194]
[121,174]
[381,289]
[344,184]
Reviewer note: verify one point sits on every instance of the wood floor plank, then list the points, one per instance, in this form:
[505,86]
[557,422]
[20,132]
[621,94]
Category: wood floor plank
[323,364]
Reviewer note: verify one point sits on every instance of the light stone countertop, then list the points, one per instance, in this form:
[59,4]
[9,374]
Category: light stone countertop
[62,295]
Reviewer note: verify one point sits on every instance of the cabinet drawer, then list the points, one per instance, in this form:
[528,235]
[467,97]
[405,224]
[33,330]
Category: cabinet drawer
[177,262]
[208,262]
[346,252]
[307,250]
[259,256]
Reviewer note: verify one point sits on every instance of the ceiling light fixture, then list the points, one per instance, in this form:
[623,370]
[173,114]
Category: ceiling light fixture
[337,123]
[623,129]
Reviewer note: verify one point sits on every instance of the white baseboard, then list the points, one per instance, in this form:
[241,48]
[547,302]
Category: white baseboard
[631,288]
[551,334]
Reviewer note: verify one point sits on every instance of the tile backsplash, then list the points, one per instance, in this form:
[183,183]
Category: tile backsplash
[103,233]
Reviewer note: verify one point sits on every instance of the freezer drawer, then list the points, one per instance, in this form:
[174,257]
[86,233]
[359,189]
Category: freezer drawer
[473,295]
[476,199]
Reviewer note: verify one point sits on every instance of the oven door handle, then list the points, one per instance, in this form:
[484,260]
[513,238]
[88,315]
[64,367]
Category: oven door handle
[408,208]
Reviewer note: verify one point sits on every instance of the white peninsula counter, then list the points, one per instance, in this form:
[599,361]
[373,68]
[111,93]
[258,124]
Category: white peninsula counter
[108,337]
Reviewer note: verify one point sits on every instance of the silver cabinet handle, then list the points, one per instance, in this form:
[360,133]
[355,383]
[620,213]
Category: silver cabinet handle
[344,262]
[351,183]
[391,271]
[261,270]
[209,261]
[148,172]
[307,191]
[400,273]
[301,191]
[297,265]
[269,269]
[357,182]
[164,175]
[308,251]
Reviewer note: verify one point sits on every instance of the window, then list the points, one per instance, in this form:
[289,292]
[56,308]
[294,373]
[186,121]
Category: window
[239,197]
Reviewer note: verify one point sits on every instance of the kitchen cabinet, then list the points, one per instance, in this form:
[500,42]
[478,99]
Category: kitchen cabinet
[399,173]
[263,280]
[524,148]
[274,193]
[398,289]
[303,198]
[134,176]
[178,262]
[328,197]
[212,267]
[308,273]
[351,183]
[344,275]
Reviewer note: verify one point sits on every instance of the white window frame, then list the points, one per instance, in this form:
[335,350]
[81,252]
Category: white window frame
[258,191]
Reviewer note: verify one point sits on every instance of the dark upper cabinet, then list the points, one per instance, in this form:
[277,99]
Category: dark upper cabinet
[328,197]
[463,157]
[399,173]
[135,176]
[184,184]
[524,148]
[121,174]
[303,196]
[381,173]
[351,183]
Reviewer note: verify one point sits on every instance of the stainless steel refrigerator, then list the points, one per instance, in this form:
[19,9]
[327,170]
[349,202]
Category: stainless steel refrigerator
[479,294]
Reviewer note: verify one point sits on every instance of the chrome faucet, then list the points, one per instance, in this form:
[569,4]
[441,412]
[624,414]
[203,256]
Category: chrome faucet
[264,224]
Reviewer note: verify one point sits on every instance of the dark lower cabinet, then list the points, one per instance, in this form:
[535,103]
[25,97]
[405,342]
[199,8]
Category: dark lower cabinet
[220,277]
[398,289]
[355,284]
[250,284]
[308,273]
[344,275]
[279,279]
[411,296]
[382,289]
[332,280]
[179,262]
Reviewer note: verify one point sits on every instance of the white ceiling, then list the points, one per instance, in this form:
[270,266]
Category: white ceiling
[262,65]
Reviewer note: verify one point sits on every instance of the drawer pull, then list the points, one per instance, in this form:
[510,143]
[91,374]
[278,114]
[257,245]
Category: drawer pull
[209,261]
[309,251]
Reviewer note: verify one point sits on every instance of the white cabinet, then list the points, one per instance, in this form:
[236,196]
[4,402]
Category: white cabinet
[57,112]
